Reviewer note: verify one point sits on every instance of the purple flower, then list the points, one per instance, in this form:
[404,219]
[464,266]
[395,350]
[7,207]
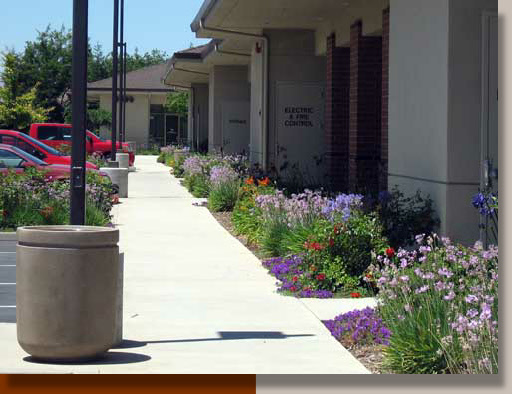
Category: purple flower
[470,299]
[450,296]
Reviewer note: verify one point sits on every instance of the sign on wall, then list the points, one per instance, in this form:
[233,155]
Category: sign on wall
[300,129]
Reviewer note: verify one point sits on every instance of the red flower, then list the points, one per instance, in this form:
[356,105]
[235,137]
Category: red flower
[331,242]
[295,279]
[293,288]
[320,277]
[313,246]
[355,295]
[390,252]
[264,182]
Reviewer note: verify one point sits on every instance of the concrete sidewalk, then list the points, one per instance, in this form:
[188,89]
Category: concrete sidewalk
[196,300]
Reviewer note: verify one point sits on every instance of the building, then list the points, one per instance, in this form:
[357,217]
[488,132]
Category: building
[147,122]
[360,95]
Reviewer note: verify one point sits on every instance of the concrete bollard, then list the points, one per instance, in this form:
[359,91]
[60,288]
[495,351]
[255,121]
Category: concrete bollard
[118,336]
[66,291]
[119,177]
[123,159]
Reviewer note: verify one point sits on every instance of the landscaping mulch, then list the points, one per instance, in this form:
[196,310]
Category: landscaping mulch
[370,356]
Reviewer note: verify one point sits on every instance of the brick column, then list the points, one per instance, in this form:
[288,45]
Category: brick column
[365,110]
[383,181]
[337,114]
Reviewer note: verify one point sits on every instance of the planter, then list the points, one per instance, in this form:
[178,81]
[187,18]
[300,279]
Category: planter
[67,291]
[119,177]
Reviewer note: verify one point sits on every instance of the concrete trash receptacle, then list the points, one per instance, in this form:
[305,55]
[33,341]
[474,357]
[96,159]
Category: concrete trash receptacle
[119,177]
[66,291]
[123,159]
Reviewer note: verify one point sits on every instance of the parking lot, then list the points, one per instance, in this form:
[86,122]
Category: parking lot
[7,282]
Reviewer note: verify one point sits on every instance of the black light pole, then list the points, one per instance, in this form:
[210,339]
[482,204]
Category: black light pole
[124,94]
[114,80]
[78,107]
[121,79]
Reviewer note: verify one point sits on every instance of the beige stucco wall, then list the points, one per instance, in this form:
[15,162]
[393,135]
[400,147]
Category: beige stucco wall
[137,115]
[435,105]
[465,114]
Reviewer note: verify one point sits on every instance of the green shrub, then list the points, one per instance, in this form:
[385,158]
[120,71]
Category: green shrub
[197,184]
[29,199]
[343,251]
[223,196]
[404,217]
[247,216]
[224,185]
[177,165]
[441,304]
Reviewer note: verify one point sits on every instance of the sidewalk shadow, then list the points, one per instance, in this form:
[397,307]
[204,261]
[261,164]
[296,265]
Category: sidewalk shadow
[223,336]
[106,359]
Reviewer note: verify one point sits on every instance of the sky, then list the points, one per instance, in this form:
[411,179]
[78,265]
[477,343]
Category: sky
[149,24]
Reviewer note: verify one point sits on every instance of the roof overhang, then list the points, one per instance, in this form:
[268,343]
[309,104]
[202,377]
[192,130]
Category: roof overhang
[185,69]
[254,17]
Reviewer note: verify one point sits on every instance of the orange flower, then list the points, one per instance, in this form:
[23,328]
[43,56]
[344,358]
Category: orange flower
[264,182]
[249,181]
[46,212]
[355,295]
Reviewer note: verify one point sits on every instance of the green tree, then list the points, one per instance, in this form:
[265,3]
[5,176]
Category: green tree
[17,110]
[46,61]
[96,117]
[177,103]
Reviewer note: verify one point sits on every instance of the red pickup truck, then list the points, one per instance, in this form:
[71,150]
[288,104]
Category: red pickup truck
[56,134]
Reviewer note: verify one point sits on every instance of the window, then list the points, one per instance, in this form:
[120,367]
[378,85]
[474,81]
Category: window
[25,146]
[50,133]
[156,109]
[9,159]
[7,139]
[66,133]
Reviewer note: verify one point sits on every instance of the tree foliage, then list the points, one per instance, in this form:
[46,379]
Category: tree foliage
[177,103]
[44,68]
[18,110]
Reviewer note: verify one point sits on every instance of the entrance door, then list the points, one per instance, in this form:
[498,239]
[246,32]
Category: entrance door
[489,179]
[156,129]
[300,132]
[235,127]
[171,129]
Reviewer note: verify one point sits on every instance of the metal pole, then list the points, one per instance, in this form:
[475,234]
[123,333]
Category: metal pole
[114,80]
[124,95]
[78,107]
[121,80]
[121,73]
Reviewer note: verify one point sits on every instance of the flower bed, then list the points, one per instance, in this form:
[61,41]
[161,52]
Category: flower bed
[29,199]
[438,303]
[441,304]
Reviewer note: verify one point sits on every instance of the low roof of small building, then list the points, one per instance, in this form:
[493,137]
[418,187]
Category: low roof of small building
[147,79]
